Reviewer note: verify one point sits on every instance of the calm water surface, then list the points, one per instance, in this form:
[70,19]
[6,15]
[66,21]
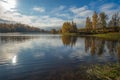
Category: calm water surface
[36,57]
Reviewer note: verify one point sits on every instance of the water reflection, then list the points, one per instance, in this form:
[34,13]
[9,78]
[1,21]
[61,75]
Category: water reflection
[101,46]
[10,46]
[14,59]
[95,46]
[23,56]
[14,38]
[69,40]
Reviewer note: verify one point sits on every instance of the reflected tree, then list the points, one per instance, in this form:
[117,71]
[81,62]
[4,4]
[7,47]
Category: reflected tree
[93,46]
[100,47]
[69,40]
[112,47]
[87,44]
[14,38]
[118,51]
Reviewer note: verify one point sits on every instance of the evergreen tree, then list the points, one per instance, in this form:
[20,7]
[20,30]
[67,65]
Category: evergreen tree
[102,19]
[115,20]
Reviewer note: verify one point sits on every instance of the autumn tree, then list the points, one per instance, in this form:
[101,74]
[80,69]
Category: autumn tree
[94,20]
[69,40]
[60,31]
[53,31]
[88,23]
[69,27]
[93,46]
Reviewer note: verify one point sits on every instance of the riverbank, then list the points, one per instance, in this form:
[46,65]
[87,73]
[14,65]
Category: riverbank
[90,72]
[70,34]
[111,36]
[104,72]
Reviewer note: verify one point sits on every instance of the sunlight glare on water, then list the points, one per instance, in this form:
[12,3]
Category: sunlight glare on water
[14,59]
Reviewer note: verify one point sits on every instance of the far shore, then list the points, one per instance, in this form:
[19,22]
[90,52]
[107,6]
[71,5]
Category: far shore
[111,35]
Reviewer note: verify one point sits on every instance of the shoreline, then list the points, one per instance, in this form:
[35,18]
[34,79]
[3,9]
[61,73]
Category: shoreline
[110,36]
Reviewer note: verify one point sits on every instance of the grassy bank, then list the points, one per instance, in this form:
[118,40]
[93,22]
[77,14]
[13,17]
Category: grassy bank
[112,36]
[104,72]
[87,72]
[70,34]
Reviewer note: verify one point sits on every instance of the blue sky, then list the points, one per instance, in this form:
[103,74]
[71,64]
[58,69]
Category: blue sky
[52,13]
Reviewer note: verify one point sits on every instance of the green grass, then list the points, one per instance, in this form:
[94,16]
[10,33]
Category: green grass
[104,72]
[112,36]
[87,72]
[70,34]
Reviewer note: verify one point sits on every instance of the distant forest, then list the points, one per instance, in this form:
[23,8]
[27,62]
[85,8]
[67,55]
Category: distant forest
[18,27]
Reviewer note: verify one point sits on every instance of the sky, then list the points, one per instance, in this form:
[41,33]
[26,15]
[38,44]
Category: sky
[46,14]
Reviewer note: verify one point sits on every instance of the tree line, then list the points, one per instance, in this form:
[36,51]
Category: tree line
[98,23]
[18,27]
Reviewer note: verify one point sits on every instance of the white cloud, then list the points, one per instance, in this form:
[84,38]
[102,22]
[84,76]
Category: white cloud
[56,17]
[39,21]
[9,5]
[58,9]
[46,21]
[81,12]
[78,10]
[61,12]
[80,21]
[107,6]
[64,15]
[61,7]
[110,8]
[39,9]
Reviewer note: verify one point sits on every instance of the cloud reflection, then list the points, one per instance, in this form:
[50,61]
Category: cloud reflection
[42,48]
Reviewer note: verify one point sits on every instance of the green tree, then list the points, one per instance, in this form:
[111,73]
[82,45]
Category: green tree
[110,24]
[102,19]
[115,20]
[94,20]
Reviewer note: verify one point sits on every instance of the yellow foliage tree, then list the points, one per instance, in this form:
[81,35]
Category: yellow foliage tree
[69,27]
